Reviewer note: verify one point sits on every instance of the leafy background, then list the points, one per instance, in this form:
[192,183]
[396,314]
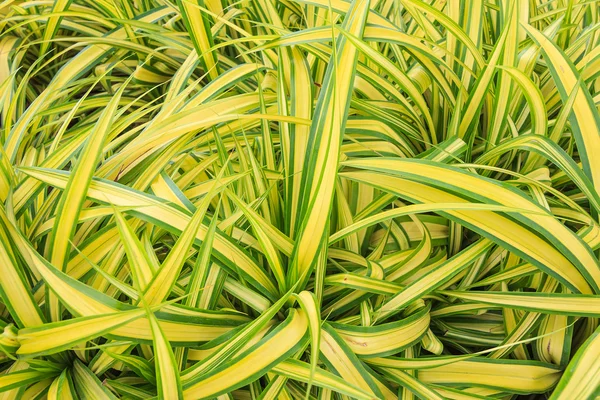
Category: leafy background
[299,199]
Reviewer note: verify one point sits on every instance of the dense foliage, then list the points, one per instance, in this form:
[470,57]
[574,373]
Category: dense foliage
[293,199]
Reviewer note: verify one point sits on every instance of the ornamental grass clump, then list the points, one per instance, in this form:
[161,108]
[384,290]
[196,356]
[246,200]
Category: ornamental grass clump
[299,199]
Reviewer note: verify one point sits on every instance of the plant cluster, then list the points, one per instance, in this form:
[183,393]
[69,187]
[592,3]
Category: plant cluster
[299,199]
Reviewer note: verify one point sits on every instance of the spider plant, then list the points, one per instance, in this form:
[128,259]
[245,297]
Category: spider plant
[299,199]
